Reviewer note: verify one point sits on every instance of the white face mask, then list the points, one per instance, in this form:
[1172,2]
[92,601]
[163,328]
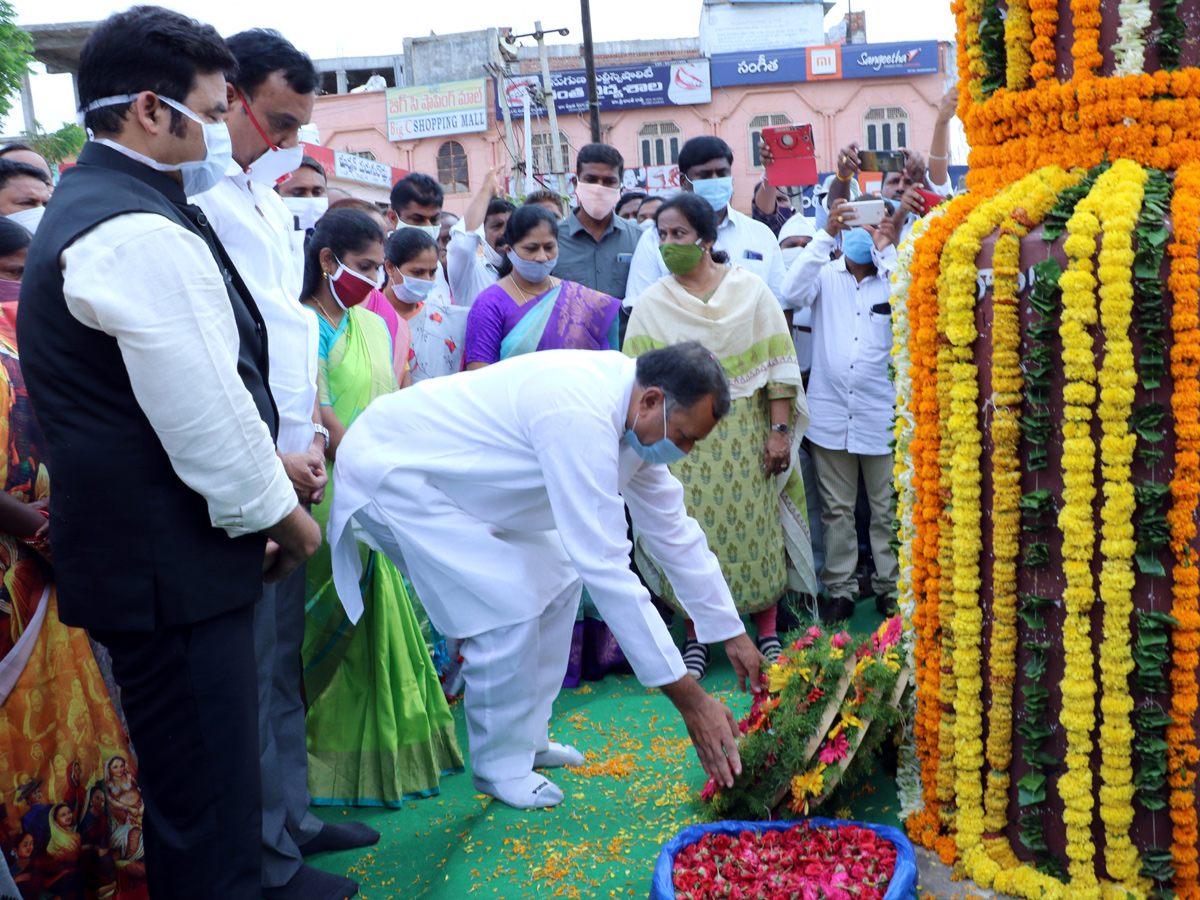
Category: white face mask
[29,219]
[199,175]
[789,255]
[432,230]
[275,166]
[493,256]
[306,210]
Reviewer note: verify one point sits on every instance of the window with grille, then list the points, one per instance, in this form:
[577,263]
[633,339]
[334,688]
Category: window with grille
[543,154]
[453,174]
[658,143]
[757,124]
[885,128]
[364,154]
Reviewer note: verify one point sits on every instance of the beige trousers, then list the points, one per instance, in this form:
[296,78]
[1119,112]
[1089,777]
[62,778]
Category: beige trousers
[837,483]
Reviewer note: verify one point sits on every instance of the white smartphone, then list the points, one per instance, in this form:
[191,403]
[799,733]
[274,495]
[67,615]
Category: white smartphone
[863,212]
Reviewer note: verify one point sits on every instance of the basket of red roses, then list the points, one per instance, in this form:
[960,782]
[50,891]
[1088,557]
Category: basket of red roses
[813,859]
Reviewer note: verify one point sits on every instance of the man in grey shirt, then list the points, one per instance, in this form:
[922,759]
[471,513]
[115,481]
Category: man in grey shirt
[595,246]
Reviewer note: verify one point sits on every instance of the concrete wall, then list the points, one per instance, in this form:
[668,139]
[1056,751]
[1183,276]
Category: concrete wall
[449,57]
[835,108]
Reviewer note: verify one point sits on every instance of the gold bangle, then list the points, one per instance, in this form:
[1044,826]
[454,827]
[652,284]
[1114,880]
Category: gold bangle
[844,180]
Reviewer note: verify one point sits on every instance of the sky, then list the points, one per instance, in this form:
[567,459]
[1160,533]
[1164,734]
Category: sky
[380,28]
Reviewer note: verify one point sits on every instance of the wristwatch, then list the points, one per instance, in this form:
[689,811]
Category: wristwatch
[782,428]
[323,432]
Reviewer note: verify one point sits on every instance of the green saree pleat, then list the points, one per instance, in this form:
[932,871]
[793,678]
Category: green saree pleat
[379,730]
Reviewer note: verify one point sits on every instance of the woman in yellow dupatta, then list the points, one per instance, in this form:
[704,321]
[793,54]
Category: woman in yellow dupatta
[379,729]
[742,483]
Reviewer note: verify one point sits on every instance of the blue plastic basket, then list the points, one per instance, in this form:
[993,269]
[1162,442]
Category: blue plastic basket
[903,885]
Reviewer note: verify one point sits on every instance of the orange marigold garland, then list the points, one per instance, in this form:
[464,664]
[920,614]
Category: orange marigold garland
[1044,16]
[1182,752]
[1086,50]
[926,826]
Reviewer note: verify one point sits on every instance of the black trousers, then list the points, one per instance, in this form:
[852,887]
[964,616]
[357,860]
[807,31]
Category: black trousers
[191,701]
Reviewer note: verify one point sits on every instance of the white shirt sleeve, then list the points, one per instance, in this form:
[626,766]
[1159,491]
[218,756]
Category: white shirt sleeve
[678,544]
[776,272]
[944,189]
[577,451]
[802,284]
[646,268]
[462,258]
[154,286]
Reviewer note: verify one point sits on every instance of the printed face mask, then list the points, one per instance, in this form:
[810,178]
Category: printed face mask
[306,210]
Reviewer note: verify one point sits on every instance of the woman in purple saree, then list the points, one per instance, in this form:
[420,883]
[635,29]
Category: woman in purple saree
[529,310]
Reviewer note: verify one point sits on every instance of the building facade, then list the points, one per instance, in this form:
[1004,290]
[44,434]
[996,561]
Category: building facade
[655,95]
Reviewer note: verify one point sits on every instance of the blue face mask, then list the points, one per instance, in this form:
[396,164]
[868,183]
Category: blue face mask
[662,452]
[857,244]
[416,289]
[717,191]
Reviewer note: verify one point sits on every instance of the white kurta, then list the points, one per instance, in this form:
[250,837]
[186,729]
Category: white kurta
[524,463]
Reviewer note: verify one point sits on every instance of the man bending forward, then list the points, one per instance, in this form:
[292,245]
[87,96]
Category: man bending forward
[500,492]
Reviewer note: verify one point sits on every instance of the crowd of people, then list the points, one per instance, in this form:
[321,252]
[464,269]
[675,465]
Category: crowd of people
[319,463]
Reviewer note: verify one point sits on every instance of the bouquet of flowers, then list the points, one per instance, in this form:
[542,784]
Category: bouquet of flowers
[830,701]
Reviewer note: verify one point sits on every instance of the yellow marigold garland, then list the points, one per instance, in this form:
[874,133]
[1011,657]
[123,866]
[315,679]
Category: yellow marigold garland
[1182,752]
[977,68]
[1026,203]
[1018,37]
[1076,522]
[1123,185]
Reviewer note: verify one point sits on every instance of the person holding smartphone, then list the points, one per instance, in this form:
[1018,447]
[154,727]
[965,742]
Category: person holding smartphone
[850,397]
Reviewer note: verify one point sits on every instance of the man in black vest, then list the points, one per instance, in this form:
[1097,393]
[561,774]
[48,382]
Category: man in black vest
[146,361]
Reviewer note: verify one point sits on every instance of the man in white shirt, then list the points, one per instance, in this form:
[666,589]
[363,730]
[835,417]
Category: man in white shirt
[145,357]
[706,168]
[500,491]
[850,396]
[416,202]
[269,99]
[482,225]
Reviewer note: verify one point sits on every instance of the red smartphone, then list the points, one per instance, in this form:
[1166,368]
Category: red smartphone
[795,155]
[930,200]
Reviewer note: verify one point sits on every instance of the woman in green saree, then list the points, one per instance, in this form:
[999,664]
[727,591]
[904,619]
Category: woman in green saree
[379,729]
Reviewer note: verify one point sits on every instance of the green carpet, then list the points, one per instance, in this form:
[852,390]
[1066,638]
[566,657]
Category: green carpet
[602,841]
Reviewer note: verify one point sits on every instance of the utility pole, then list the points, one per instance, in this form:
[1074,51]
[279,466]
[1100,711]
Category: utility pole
[502,99]
[548,100]
[589,62]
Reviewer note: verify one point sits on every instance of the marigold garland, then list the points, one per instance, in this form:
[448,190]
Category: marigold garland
[1018,36]
[1076,523]
[927,825]
[1124,186]
[1085,52]
[1043,14]
[977,68]
[1182,752]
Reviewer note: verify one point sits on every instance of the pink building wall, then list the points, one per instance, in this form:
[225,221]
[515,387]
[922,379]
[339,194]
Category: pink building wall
[356,122]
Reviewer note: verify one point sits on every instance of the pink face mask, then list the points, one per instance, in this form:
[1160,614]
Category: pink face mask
[349,288]
[596,199]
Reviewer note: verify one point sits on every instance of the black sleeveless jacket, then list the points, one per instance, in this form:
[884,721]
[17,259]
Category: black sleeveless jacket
[133,545]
